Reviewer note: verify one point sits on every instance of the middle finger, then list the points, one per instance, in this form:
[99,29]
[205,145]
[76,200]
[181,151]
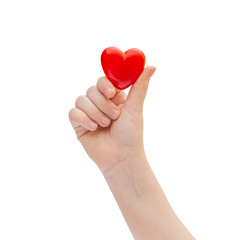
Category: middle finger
[103,103]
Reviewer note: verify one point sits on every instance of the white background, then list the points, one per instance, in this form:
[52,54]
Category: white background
[50,54]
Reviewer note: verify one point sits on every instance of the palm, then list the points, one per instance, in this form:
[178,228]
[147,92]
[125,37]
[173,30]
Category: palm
[105,144]
[123,138]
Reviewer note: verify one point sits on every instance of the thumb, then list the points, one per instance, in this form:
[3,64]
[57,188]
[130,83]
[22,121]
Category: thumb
[139,89]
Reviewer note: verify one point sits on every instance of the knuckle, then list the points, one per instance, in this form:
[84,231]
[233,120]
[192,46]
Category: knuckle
[73,117]
[90,90]
[142,85]
[70,113]
[99,81]
[145,87]
[80,100]
[101,84]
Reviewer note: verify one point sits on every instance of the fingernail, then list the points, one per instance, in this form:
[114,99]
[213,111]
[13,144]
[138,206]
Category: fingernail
[114,113]
[104,121]
[152,72]
[92,125]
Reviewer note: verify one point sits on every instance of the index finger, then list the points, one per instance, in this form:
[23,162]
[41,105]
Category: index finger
[106,87]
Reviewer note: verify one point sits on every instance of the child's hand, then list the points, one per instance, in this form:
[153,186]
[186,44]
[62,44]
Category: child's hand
[109,124]
[117,148]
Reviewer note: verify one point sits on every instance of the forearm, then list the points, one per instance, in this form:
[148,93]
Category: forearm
[143,203]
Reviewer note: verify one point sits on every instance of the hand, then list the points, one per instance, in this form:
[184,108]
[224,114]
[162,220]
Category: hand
[116,146]
[109,124]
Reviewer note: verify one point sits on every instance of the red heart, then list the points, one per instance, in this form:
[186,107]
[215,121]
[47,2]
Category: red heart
[122,69]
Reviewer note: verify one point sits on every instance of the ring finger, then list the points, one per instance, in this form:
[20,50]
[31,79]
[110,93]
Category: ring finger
[84,103]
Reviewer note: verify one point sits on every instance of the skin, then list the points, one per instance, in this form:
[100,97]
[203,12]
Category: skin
[116,146]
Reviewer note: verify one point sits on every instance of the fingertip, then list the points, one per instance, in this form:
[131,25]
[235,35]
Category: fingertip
[115,113]
[70,113]
[150,70]
[150,67]
[105,121]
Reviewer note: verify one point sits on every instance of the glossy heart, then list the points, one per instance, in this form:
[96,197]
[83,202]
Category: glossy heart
[122,69]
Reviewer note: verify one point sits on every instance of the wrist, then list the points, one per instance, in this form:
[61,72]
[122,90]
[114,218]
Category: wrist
[142,201]
[127,171]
